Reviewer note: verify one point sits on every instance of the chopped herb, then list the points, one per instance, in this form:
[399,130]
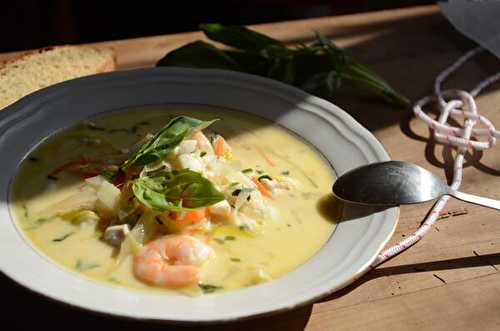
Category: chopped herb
[285,173]
[238,191]
[289,225]
[246,171]
[219,241]
[118,130]
[114,280]
[202,154]
[52,177]
[82,266]
[42,220]
[62,238]
[109,175]
[235,259]
[37,223]
[229,238]
[260,172]
[244,227]
[92,126]
[264,176]
[158,220]
[25,210]
[233,184]
[207,288]
[33,159]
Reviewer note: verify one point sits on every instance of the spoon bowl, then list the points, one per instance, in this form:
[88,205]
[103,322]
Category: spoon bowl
[395,182]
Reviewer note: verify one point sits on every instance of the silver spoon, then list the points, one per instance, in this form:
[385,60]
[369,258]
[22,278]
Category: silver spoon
[394,182]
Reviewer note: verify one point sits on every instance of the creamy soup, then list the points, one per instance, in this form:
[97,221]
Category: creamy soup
[101,200]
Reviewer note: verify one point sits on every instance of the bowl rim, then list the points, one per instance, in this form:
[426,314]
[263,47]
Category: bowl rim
[33,103]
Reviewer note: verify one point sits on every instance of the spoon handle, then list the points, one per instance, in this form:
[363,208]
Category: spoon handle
[491,203]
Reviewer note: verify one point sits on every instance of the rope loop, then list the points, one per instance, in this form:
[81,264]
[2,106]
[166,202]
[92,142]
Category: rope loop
[460,103]
[451,103]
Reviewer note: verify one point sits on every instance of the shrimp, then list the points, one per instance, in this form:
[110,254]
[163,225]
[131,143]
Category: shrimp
[171,261]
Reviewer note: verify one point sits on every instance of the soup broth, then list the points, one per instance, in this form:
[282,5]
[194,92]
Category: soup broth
[257,248]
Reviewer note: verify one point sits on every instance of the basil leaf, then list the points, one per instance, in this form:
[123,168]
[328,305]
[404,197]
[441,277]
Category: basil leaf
[165,140]
[238,37]
[176,190]
[152,199]
[198,54]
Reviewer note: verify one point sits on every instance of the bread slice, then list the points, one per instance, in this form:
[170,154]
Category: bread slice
[37,69]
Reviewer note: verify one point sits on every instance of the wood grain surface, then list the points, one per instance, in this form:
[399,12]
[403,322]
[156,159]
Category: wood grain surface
[448,281]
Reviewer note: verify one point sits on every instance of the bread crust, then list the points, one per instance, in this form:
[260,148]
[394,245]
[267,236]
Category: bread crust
[108,54]
[110,65]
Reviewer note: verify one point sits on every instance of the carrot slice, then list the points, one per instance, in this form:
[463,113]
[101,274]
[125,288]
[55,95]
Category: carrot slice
[219,146]
[69,165]
[85,175]
[209,237]
[265,157]
[262,189]
[192,217]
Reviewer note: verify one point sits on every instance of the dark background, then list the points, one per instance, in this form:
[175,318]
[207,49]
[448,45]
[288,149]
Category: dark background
[27,24]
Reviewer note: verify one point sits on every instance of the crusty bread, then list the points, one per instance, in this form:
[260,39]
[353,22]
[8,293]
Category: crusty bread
[47,66]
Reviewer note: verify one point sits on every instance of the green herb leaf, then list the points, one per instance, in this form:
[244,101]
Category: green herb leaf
[229,238]
[37,223]
[247,170]
[208,288]
[265,176]
[158,220]
[63,237]
[109,174]
[176,191]
[198,54]
[165,140]
[84,266]
[235,259]
[238,37]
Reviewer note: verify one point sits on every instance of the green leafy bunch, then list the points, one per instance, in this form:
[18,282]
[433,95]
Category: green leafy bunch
[319,68]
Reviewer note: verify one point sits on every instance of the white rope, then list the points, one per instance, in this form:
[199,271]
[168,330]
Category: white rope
[451,103]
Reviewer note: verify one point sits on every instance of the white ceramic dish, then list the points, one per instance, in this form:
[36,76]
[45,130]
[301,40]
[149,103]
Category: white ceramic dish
[345,143]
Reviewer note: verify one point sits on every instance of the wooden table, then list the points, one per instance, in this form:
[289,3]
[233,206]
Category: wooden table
[449,280]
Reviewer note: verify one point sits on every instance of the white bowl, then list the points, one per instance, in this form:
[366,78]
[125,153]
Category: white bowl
[345,143]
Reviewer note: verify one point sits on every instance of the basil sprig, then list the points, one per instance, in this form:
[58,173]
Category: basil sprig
[182,190]
[320,68]
[165,140]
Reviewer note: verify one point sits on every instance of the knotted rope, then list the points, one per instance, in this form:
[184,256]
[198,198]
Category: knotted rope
[451,103]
